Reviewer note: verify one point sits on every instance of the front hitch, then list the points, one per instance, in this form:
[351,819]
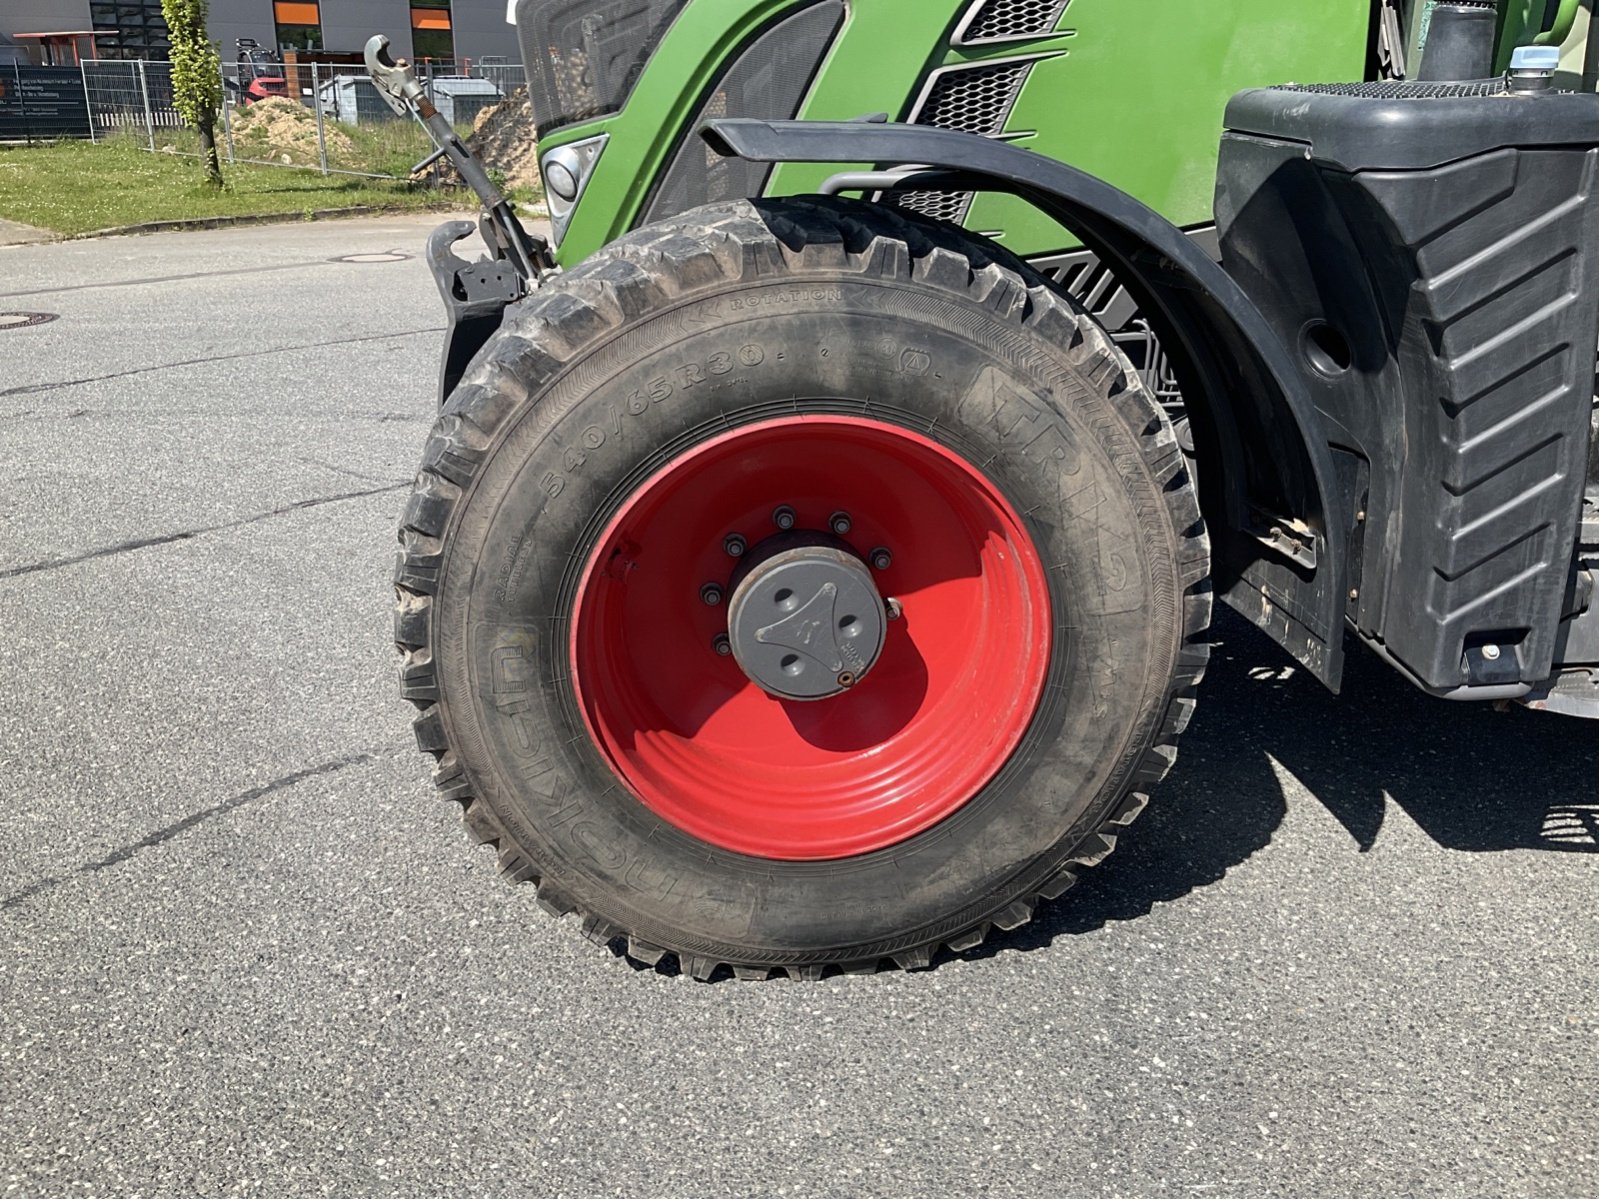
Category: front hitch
[476,293]
[398,85]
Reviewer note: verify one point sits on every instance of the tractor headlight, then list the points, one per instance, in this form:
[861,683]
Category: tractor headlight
[566,171]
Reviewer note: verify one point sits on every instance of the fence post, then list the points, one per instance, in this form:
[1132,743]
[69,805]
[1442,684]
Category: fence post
[149,117]
[22,101]
[227,117]
[316,103]
[88,104]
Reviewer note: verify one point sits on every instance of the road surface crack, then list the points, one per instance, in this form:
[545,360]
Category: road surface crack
[167,832]
[29,389]
[148,280]
[52,564]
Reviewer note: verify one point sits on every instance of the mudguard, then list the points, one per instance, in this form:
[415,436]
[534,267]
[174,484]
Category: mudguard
[1279,517]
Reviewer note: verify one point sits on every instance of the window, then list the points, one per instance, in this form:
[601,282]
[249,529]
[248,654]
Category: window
[431,37]
[299,25]
[134,29]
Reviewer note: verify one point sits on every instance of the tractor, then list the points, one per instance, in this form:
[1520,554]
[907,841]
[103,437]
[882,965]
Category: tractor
[811,564]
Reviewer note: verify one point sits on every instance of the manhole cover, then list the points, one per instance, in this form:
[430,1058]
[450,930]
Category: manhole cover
[21,320]
[386,256]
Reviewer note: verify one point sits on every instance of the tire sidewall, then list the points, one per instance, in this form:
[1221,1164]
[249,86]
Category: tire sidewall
[1039,418]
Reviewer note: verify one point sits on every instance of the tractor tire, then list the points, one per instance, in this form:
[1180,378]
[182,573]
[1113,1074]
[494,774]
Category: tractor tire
[993,532]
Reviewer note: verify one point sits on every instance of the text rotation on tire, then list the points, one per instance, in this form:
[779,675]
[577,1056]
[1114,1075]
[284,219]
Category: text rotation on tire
[732,315]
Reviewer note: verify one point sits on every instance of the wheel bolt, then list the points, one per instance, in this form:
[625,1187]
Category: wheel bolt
[839,523]
[722,645]
[783,517]
[734,544]
[711,593]
[881,558]
[891,609]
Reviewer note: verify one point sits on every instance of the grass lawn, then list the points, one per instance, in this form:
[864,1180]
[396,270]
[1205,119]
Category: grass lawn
[76,187]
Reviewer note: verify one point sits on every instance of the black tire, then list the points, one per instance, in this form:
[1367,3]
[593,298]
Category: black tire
[503,511]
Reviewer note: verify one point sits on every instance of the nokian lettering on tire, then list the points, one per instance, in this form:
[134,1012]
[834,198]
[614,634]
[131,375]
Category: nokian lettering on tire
[579,488]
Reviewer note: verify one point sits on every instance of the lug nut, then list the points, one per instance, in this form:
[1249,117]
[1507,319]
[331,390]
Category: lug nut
[722,645]
[892,609]
[881,558]
[1491,652]
[839,523]
[734,544]
[711,593]
[783,517]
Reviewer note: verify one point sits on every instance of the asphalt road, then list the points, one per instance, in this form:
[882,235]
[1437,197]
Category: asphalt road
[1350,949]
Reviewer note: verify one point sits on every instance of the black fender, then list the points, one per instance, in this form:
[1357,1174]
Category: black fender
[1268,484]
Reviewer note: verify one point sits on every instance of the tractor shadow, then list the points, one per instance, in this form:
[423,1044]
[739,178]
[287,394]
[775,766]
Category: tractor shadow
[1473,778]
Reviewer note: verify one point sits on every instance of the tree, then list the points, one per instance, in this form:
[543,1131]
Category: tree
[196,75]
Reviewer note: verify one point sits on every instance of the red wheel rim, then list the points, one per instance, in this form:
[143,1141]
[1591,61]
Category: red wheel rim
[943,709]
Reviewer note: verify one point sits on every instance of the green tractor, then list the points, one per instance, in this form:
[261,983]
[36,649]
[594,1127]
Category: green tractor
[812,561]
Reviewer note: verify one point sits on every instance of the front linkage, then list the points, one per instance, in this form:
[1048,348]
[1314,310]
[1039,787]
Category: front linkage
[475,293]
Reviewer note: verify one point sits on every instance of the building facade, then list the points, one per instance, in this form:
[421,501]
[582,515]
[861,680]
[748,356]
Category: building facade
[437,30]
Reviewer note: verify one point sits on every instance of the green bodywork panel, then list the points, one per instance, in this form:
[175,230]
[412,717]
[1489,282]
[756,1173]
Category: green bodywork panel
[1134,94]
[878,59]
[1132,91]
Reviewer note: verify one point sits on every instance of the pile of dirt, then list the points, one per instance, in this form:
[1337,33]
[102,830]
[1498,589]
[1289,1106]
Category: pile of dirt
[502,136]
[284,131]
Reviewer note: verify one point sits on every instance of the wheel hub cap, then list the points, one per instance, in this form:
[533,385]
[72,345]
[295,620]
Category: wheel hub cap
[806,622]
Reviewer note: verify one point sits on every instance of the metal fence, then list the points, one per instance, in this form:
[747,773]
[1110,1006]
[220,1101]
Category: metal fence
[338,124]
[129,97]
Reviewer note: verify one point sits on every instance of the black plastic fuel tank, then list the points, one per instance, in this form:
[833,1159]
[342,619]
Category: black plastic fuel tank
[1428,252]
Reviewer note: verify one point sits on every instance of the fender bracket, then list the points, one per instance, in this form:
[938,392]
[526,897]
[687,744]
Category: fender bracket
[475,296]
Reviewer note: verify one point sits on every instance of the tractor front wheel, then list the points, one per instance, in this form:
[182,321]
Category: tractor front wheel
[800,584]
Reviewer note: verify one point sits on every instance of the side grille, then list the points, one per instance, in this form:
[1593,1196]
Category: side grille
[768,81]
[1400,89]
[973,99]
[1088,281]
[1002,20]
[941,206]
[976,99]
[1083,277]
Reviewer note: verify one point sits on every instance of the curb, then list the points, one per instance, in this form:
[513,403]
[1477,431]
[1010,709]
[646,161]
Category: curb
[190,223]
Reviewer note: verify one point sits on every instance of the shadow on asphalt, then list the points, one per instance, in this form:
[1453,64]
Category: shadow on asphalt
[1472,778]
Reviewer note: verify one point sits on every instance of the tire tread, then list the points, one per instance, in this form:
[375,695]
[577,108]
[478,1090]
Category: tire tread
[708,248]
